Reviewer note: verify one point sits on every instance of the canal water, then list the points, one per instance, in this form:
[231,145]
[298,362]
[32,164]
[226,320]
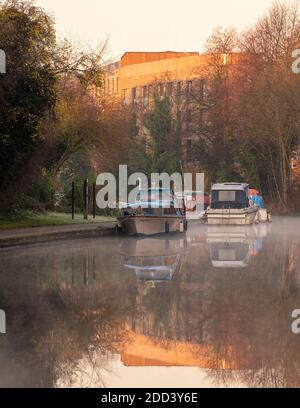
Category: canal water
[212,308]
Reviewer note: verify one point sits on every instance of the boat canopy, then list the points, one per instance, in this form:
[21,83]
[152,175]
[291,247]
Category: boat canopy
[154,198]
[229,196]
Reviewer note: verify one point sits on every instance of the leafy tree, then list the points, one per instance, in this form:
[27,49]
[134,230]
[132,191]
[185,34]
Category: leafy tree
[27,90]
[44,119]
[165,146]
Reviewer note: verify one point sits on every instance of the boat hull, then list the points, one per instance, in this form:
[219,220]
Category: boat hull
[195,216]
[148,225]
[245,216]
[263,215]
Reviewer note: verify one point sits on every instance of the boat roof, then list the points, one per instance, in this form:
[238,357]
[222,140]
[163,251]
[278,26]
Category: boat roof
[230,187]
[229,264]
[155,190]
[152,204]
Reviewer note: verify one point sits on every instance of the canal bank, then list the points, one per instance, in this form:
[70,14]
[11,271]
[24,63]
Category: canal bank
[25,236]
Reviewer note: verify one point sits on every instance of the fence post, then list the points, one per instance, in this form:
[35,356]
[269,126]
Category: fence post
[94,200]
[85,198]
[73,200]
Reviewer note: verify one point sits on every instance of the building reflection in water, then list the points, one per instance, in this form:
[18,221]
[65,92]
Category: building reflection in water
[75,308]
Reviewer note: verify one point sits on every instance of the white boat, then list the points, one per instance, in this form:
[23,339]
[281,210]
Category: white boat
[230,205]
[155,212]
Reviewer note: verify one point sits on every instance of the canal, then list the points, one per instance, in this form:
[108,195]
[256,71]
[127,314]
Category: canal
[208,309]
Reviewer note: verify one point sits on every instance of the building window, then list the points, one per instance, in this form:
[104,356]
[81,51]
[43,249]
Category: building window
[178,120]
[189,87]
[203,116]
[161,90]
[150,91]
[169,88]
[179,88]
[145,96]
[125,96]
[188,120]
[113,85]
[133,96]
[117,85]
[202,89]
[189,148]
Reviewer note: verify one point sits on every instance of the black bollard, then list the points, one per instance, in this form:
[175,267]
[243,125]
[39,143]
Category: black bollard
[85,198]
[94,200]
[73,200]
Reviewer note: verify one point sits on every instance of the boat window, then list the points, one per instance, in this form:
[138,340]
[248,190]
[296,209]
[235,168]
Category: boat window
[229,252]
[154,195]
[227,255]
[226,195]
[152,211]
[229,199]
[170,211]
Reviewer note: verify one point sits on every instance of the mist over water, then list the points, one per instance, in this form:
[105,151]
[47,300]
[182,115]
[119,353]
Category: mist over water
[212,308]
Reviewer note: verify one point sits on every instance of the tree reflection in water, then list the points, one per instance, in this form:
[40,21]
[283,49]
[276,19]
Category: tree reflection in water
[72,307]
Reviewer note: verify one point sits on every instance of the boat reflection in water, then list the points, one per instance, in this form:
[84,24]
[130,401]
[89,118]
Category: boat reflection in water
[84,313]
[154,259]
[234,247]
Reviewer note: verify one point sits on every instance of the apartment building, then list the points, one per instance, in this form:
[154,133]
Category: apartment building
[183,76]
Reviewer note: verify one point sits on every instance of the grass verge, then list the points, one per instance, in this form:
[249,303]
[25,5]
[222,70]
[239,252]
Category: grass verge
[31,220]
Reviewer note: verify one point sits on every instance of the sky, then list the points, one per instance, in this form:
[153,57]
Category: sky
[151,25]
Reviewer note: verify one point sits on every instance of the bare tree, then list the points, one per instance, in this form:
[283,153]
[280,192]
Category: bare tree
[222,40]
[276,34]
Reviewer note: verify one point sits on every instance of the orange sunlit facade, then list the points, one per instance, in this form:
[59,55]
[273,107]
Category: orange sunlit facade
[139,75]
[137,70]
